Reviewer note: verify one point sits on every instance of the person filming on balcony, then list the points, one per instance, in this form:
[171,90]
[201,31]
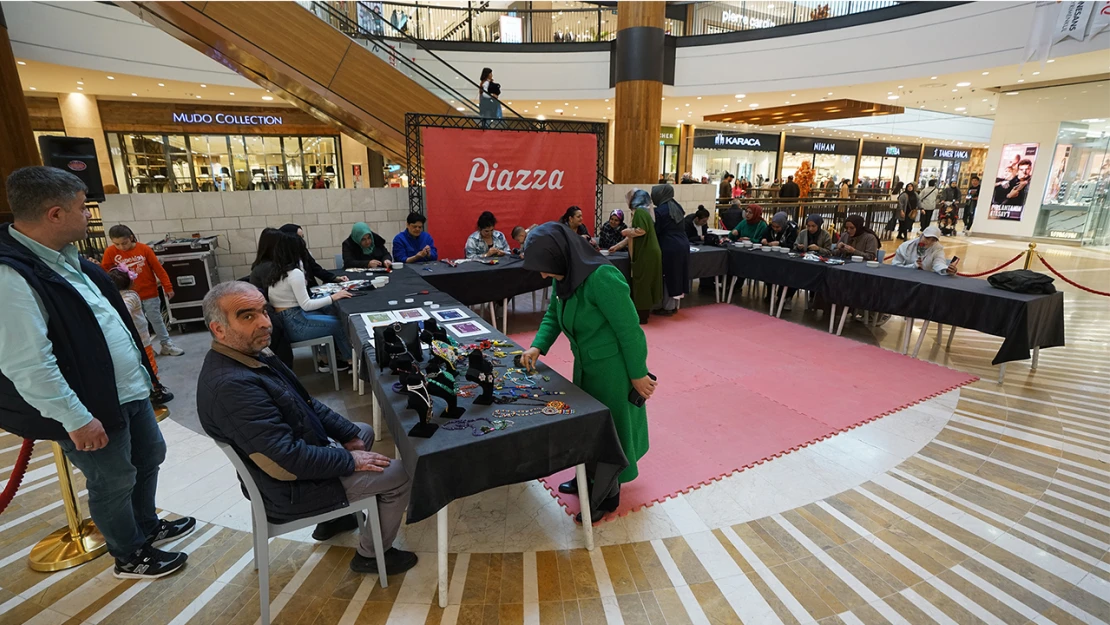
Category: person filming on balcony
[489,105]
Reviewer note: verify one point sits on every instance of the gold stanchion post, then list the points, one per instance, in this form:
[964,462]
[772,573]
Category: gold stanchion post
[1029,255]
[79,541]
[160,413]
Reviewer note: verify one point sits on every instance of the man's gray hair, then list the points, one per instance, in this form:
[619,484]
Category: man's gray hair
[34,190]
[211,305]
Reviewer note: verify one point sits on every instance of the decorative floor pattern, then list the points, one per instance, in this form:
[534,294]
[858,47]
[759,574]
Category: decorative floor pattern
[998,512]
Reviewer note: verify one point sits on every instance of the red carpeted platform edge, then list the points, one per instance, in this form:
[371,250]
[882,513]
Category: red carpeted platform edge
[714,414]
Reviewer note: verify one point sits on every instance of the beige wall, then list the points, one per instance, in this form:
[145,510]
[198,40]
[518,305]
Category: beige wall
[239,217]
[354,153]
[82,119]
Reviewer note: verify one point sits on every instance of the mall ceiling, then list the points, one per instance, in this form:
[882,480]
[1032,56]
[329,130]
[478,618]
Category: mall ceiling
[973,94]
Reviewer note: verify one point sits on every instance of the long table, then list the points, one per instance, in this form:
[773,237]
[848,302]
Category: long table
[455,464]
[705,261]
[1026,321]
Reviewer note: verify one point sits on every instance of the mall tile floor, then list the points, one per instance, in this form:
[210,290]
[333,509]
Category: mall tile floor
[989,504]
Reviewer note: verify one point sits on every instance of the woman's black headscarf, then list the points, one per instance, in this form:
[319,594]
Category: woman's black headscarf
[663,193]
[554,248]
[290,228]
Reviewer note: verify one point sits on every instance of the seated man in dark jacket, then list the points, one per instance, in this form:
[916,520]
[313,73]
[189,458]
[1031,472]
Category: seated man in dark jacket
[695,224]
[305,458]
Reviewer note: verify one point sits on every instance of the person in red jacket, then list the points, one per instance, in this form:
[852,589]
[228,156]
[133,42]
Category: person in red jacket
[140,259]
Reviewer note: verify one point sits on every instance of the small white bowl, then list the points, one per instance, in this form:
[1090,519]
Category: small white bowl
[857,259]
[783,250]
[872,263]
[756,246]
[604,252]
[768,249]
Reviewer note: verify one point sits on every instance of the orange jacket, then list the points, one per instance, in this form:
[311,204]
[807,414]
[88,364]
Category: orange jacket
[141,260]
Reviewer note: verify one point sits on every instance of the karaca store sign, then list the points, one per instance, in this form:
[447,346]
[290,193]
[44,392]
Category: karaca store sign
[229,119]
[523,178]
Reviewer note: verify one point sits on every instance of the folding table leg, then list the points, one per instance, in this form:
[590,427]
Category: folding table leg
[354,369]
[1001,373]
[907,331]
[717,288]
[492,315]
[832,318]
[376,410]
[940,332]
[843,318]
[584,495]
[951,333]
[921,338]
[774,292]
[505,316]
[441,554]
[732,287]
[1036,357]
[782,301]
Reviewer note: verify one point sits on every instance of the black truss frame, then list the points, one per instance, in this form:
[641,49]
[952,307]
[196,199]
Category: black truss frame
[414,154]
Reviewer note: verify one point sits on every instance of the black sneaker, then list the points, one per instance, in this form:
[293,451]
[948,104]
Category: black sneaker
[149,563]
[396,561]
[171,530]
[342,366]
[327,529]
[160,395]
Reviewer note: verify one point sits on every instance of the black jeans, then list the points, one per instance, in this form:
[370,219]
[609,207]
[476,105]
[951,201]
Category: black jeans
[904,227]
[926,218]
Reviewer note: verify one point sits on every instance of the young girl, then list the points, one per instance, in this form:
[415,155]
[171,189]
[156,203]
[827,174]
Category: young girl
[123,278]
[140,259]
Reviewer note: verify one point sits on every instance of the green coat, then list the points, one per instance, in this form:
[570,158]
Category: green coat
[609,352]
[754,233]
[647,263]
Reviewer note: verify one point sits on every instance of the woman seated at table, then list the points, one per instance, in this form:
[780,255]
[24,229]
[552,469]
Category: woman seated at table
[814,238]
[592,307]
[859,240]
[304,316]
[486,242]
[752,227]
[365,248]
[781,232]
[573,219]
[610,234]
[312,269]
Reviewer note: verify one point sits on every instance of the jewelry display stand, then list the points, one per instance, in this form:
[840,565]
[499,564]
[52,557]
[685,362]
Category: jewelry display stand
[420,401]
[481,371]
[441,383]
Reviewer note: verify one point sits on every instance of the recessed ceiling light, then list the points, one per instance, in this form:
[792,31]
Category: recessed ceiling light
[1036,73]
[204,86]
[80,88]
[606,99]
[699,97]
[682,121]
[231,93]
[21,62]
[576,108]
[830,93]
[899,86]
[961,108]
[955,90]
[741,95]
[1052,60]
[459,108]
[753,105]
[566,103]
[198,97]
[986,73]
[558,110]
[892,97]
[33,89]
[932,77]
[134,95]
[963,84]
[80,82]
[1012,92]
[1021,80]
[111,78]
[676,108]
[267,97]
[540,117]
[793,95]
[161,84]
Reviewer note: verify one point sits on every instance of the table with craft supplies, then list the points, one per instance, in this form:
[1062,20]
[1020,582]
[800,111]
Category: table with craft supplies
[1026,321]
[479,451]
[776,268]
[706,261]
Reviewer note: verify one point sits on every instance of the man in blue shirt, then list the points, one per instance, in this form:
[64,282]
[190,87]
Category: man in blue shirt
[73,369]
[413,245]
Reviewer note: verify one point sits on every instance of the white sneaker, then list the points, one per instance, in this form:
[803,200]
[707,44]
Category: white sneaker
[169,349]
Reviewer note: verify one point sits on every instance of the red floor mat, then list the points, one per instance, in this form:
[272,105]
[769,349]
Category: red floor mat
[738,387]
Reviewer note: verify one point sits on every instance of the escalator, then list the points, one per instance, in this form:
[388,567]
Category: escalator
[321,61]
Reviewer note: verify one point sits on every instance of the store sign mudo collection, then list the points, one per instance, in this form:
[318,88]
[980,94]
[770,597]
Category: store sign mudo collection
[228,119]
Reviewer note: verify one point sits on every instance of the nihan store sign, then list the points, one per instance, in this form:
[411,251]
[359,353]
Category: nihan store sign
[227,119]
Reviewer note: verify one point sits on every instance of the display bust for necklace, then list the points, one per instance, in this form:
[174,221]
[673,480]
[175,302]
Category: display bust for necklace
[441,383]
[481,371]
[434,332]
[420,401]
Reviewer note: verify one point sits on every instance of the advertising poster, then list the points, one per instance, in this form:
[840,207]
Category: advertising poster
[523,178]
[1054,190]
[1011,185]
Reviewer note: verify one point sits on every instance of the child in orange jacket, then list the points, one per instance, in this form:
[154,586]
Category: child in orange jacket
[140,259]
[123,279]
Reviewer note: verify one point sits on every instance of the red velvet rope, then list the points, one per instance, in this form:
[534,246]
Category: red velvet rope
[1065,279]
[17,473]
[998,268]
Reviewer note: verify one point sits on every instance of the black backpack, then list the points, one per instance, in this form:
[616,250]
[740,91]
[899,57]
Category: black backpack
[1023,281]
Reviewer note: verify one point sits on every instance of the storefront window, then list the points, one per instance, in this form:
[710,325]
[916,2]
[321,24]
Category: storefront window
[179,163]
[1076,203]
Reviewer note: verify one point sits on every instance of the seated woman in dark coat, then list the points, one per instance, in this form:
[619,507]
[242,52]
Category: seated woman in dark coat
[364,248]
[312,269]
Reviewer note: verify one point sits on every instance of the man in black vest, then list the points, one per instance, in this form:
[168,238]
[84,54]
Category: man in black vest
[73,369]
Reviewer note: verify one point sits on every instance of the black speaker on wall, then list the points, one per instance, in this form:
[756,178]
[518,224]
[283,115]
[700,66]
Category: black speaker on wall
[77,155]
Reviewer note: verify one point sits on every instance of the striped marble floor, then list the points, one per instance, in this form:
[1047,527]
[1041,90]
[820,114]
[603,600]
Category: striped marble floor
[1001,516]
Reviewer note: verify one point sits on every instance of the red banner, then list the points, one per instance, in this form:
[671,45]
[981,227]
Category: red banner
[523,178]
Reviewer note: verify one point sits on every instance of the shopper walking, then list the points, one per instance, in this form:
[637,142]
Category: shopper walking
[908,205]
[91,393]
[970,202]
[790,189]
[593,309]
[928,202]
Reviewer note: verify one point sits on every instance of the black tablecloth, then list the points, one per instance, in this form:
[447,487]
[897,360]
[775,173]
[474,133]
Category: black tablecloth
[477,283]
[777,268]
[706,262]
[1024,320]
[454,464]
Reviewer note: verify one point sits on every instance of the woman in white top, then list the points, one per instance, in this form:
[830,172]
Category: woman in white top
[488,105]
[304,316]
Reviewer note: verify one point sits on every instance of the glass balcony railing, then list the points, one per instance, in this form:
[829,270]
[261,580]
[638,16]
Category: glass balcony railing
[575,22]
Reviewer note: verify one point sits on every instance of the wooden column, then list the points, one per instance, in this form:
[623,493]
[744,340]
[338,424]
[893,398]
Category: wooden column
[686,148]
[17,142]
[639,85]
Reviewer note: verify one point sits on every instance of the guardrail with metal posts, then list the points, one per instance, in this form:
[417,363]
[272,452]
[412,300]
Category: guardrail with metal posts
[879,214]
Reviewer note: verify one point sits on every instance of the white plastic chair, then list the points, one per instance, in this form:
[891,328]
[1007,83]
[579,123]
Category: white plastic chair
[329,342]
[264,530]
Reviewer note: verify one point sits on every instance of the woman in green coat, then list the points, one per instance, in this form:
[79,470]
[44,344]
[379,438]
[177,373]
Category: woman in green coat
[593,309]
[646,256]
